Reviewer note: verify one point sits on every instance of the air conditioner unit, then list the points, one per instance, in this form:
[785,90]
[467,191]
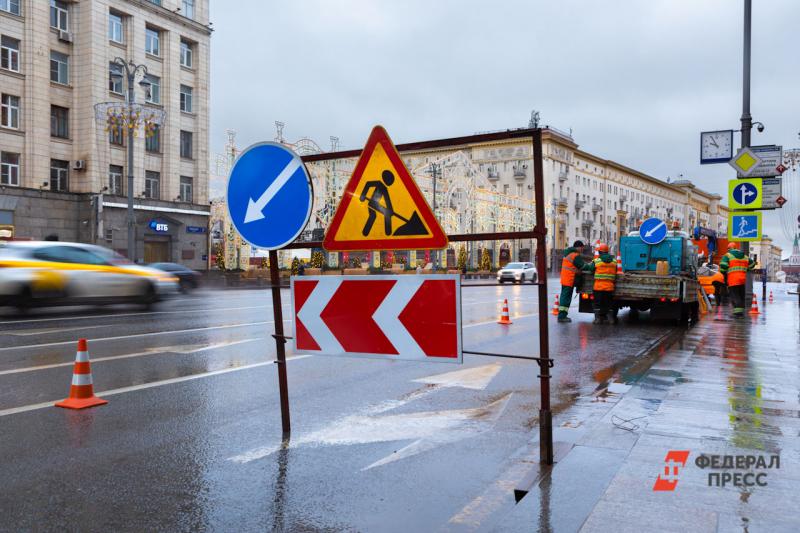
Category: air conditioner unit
[80,164]
[64,36]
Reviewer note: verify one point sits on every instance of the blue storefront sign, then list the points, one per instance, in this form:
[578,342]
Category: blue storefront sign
[159,226]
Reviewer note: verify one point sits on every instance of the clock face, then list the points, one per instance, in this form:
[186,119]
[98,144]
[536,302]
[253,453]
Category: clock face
[716,146]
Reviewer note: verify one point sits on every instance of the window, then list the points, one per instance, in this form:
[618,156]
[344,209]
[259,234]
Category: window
[186,189]
[59,15]
[186,54]
[115,136]
[115,180]
[12,6]
[152,40]
[115,78]
[59,175]
[59,67]
[115,28]
[9,168]
[9,53]
[156,2]
[186,144]
[186,98]
[59,122]
[152,185]
[152,142]
[153,94]
[10,111]
[188,8]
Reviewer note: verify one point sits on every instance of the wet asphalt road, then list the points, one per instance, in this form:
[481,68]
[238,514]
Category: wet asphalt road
[191,440]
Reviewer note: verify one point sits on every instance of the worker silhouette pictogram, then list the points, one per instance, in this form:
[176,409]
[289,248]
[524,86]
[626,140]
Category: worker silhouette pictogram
[380,193]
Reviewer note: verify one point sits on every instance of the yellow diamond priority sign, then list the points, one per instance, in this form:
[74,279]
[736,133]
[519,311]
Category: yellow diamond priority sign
[745,162]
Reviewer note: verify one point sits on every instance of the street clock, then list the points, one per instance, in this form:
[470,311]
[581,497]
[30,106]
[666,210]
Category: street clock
[716,146]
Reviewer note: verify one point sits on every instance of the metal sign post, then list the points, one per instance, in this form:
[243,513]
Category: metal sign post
[280,342]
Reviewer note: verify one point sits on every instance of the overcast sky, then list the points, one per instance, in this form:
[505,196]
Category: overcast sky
[636,80]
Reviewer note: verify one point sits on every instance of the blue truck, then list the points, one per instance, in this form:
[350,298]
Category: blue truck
[673,296]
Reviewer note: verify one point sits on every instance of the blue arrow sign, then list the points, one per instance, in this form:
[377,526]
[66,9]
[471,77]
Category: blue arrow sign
[745,193]
[269,195]
[653,230]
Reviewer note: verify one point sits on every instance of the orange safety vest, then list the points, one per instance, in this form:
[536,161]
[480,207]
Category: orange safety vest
[605,274]
[737,271]
[568,270]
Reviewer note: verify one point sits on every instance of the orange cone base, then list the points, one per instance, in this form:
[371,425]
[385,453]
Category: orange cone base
[504,320]
[81,403]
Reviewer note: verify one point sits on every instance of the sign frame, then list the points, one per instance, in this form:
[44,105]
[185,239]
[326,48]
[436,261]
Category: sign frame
[732,237]
[739,170]
[411,280]
[658,223]
[436,241]
[770,155]
[734,204]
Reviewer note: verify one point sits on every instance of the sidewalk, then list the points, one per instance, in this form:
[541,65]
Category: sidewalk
[729,388]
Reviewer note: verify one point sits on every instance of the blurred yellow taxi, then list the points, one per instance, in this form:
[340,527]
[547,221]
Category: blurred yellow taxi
[43,273]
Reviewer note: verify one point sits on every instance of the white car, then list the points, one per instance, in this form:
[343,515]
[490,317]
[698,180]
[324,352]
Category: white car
[517,273]
[41,273]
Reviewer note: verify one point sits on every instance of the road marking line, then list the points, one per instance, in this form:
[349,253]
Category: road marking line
[47,331]
[153,351]
[143,313]
[122,390]
[494,321]
[153,334]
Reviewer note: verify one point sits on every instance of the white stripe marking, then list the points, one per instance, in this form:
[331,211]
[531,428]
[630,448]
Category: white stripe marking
[310,315]
[82,357]
[476,324]
[387,317]
[113,392]
[153,334]
[81,379]
[159,350]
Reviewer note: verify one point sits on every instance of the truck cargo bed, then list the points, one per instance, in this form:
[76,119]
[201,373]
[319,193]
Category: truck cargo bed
[632,286]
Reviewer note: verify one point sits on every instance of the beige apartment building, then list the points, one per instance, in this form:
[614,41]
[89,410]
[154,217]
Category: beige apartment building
[63,174]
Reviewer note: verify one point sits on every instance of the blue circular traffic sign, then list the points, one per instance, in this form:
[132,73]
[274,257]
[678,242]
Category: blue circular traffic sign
[269,195]
[745,193]
[653,231]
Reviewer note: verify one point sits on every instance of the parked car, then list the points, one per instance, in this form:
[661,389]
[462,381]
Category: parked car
[188,279]
[517,273]
[44,273]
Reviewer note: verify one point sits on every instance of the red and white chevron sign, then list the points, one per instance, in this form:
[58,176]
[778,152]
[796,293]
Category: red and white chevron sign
[396,317]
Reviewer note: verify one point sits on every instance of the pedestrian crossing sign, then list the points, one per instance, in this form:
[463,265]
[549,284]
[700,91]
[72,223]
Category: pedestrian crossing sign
[744,226]
[381,207]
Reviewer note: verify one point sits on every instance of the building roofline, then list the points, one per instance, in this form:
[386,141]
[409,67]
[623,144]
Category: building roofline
[174,16]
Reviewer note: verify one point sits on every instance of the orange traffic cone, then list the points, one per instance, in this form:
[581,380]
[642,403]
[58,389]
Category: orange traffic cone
[754,306]
[619,265]
[555,306]
[770,297]
[81,393]
[504,316]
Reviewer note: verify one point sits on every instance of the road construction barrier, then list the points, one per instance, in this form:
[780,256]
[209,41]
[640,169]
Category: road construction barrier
[771,300]
[505,318]
[754,306]
[555,307]
[81,392]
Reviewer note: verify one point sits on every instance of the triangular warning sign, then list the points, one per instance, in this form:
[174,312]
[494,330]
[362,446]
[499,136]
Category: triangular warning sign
[382,208]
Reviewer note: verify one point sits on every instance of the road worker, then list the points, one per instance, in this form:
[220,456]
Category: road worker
[734,267]
[605,275]
[571,266]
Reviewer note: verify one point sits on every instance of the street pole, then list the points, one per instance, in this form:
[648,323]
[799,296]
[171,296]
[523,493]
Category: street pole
[131,218]
[747,120]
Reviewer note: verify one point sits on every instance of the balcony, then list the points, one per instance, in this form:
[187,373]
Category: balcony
[493,174]
[579,204]
[596,208]
[562,176]
[520,172]
[561,202]
[587,224]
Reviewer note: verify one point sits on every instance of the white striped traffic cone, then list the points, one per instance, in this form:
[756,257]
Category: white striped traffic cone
[504,316]
[81,393]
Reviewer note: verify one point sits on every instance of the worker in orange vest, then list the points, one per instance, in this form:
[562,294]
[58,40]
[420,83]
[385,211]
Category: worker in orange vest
[571,266]
[605,277]
[734,266]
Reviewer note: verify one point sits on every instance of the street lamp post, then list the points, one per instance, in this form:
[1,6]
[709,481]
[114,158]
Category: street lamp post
[131,70]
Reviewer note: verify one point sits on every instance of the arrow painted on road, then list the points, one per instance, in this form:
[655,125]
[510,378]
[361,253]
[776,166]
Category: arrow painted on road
[656,228]
[255,208]
[427,430]
[402,317]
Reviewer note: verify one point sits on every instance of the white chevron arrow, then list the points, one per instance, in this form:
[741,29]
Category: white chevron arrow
[387,316]
[255,209]
[311,314]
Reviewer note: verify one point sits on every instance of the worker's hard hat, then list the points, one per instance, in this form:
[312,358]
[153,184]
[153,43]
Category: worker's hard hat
[602,247]
[733,246]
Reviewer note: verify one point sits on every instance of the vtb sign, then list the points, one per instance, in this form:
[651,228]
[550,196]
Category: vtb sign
[396,317]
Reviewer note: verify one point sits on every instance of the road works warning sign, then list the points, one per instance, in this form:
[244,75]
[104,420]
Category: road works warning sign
[382,208]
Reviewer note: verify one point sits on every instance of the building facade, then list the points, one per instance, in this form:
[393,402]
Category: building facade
[767,255]
[57,63]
